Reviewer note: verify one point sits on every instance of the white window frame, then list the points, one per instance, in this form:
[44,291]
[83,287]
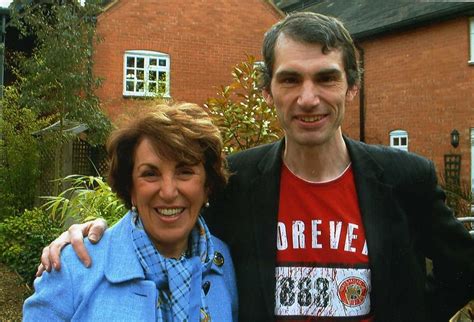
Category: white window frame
[143,86]
[472,166]
[471,40]
[396,138]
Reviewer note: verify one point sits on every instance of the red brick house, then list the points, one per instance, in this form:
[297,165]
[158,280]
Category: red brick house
[418,59]
[180,49]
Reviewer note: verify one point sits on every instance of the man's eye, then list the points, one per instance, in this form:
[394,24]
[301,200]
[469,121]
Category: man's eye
[328,78]
[289,80]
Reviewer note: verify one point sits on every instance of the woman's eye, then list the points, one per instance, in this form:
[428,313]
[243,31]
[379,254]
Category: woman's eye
[148,174]
[185,171]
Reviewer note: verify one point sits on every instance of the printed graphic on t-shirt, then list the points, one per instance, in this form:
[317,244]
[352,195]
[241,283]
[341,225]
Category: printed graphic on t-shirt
[322,234]
[322,291]
[322,254]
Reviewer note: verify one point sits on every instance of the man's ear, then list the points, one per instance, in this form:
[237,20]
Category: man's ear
[267,95]
[352,92]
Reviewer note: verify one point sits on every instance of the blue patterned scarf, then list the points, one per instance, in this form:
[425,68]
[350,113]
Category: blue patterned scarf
[180,293]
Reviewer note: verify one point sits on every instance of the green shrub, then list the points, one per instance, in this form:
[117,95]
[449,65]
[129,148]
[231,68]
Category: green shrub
[240,111]
[22,239]
[87,198]
[19,156]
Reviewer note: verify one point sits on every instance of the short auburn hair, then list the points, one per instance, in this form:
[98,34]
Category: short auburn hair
[182,132]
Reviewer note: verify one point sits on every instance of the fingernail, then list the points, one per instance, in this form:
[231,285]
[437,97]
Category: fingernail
[55,265]
[93,237]
[46,267]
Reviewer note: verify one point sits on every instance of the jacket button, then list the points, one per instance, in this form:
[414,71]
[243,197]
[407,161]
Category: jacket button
[218,259]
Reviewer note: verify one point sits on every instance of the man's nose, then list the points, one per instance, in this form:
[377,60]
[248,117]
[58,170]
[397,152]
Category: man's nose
[309,95]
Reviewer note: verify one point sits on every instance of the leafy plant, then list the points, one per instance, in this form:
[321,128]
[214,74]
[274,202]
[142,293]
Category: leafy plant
[19,155]
[87,198]
[22,239]
[240,111]
[56,80]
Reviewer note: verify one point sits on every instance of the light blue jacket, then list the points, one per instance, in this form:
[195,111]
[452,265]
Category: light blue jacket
[114,287]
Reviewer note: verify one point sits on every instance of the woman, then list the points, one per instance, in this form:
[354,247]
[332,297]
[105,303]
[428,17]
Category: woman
[159,262]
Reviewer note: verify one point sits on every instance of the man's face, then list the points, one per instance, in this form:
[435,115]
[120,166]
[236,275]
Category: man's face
[309,90]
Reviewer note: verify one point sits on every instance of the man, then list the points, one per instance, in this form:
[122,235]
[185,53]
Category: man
[319,225]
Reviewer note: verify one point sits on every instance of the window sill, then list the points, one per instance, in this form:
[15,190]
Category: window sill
[144,96]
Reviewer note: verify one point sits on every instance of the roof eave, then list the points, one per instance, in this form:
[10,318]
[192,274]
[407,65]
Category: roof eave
[416,22]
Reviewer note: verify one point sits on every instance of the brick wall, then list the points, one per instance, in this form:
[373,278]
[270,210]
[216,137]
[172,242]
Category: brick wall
[204,38]
[419,80]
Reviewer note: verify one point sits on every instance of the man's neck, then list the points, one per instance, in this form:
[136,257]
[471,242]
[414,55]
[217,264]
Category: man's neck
[317,163]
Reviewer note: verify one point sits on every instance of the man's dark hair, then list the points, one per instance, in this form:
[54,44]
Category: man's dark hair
[311,28]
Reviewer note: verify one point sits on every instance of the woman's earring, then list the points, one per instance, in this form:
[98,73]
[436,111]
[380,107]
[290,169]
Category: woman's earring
[134,209]
[206,204]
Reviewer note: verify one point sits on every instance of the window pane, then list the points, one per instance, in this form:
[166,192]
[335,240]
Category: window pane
[162,88]
[162,76]
[152,87]
[396,141]
[162,62]
[404,141]
[130,74]
[140,62]
[140,87]
[130,87]
[130,61]
[153,61]
[152,75]
[140,74]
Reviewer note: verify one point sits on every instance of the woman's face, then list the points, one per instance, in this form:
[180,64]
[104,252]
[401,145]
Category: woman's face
[168,196]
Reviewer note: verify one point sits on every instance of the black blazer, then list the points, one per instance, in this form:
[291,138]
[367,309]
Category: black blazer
[405,220]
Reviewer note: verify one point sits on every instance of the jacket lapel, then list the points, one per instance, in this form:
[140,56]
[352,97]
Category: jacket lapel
[122,266]
[265,194]
[376,206]
[122,263]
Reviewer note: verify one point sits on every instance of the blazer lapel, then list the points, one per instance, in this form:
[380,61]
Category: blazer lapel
[265,194]
[376,206]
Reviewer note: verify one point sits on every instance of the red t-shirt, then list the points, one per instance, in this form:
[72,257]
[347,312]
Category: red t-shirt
[322,257]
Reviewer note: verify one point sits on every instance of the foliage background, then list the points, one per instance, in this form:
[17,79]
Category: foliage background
[243,116]
[22,239]
[54,86]
[19,156]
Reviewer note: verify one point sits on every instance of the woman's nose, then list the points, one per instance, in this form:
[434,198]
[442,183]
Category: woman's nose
[168,189]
